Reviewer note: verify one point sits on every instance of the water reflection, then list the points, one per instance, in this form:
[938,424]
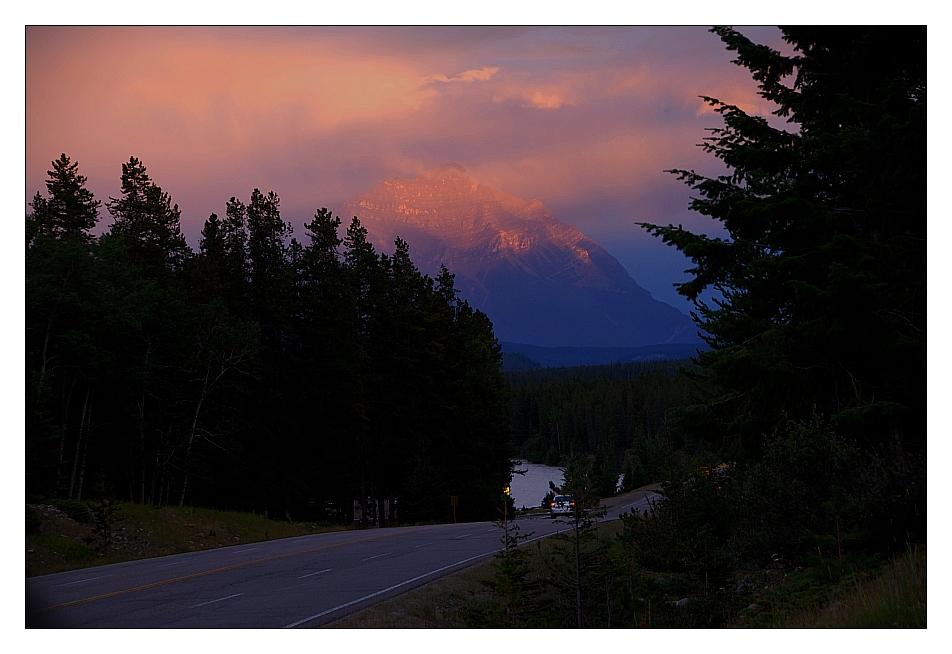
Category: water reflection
[529,489]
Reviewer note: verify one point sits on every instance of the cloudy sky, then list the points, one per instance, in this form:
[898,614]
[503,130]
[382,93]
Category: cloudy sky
[584,119]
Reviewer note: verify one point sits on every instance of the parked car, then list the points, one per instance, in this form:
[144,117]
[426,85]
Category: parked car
[561,505]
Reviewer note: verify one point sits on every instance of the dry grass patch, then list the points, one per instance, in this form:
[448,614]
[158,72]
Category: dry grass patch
[894,596]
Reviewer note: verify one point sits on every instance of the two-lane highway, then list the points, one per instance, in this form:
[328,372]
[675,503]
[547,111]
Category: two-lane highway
[294,582]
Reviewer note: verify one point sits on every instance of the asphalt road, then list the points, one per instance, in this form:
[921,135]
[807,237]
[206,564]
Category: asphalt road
[293,582]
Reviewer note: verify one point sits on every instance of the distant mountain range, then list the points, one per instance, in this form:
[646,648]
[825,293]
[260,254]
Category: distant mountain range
[539,280]
[519,356]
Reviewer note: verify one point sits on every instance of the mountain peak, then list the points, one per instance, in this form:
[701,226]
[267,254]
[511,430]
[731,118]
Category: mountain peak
[539,280]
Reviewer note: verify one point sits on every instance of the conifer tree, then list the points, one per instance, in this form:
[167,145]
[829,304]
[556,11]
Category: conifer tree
[577,567]
[71,211]
[268,257]
[819,285]
[147,221]
[63,312]
[513,582]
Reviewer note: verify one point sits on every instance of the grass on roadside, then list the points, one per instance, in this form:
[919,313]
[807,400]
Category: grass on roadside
[457,601]
[59,542]
[878,596]
[892,596]
[444,603]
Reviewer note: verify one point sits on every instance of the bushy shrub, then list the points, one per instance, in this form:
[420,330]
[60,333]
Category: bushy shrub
[778,498]
[76,510]
[815,489]
[74,551]
[104,517]
[634,474]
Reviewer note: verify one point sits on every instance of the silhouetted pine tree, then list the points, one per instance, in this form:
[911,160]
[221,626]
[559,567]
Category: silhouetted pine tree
[820,285]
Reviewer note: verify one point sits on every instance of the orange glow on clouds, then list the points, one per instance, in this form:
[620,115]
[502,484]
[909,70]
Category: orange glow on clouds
[579,118]
[568,116]
[573,88]
[213,92]
[466,77]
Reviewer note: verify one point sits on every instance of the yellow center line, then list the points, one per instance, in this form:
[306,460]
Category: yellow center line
[208,572]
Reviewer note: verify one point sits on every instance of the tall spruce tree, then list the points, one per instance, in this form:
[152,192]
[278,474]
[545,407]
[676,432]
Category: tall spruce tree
[325,380]
[148,254]
[62,311]
[268,258]
[147,221]
[577,567]
[819,286]
[71,211]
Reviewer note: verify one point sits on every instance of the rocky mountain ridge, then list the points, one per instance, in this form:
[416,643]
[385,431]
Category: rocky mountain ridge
[539,280]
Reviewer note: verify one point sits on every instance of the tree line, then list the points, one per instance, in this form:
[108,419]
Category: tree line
[259,373]
[619,415]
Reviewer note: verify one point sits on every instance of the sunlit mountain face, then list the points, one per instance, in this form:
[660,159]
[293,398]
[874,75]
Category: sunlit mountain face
[540,281]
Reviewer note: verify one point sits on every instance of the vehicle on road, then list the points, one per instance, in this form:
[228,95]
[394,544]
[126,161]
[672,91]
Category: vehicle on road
[561,505]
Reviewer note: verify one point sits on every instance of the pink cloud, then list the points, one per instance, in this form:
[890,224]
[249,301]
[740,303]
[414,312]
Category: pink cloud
[321,114]
[482,75]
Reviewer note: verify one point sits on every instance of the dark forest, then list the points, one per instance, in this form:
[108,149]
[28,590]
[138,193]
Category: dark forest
[259,374]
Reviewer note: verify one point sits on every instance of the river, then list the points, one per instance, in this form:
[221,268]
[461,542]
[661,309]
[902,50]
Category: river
[528,490]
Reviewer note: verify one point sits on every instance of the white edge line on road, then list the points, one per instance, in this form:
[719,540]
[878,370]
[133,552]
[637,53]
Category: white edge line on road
[82,581]
[423,545]
[315,573]
[370,558]
[165,565]
[385,590]
[247,550]
[220,599]
[463,536]
[404,583]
